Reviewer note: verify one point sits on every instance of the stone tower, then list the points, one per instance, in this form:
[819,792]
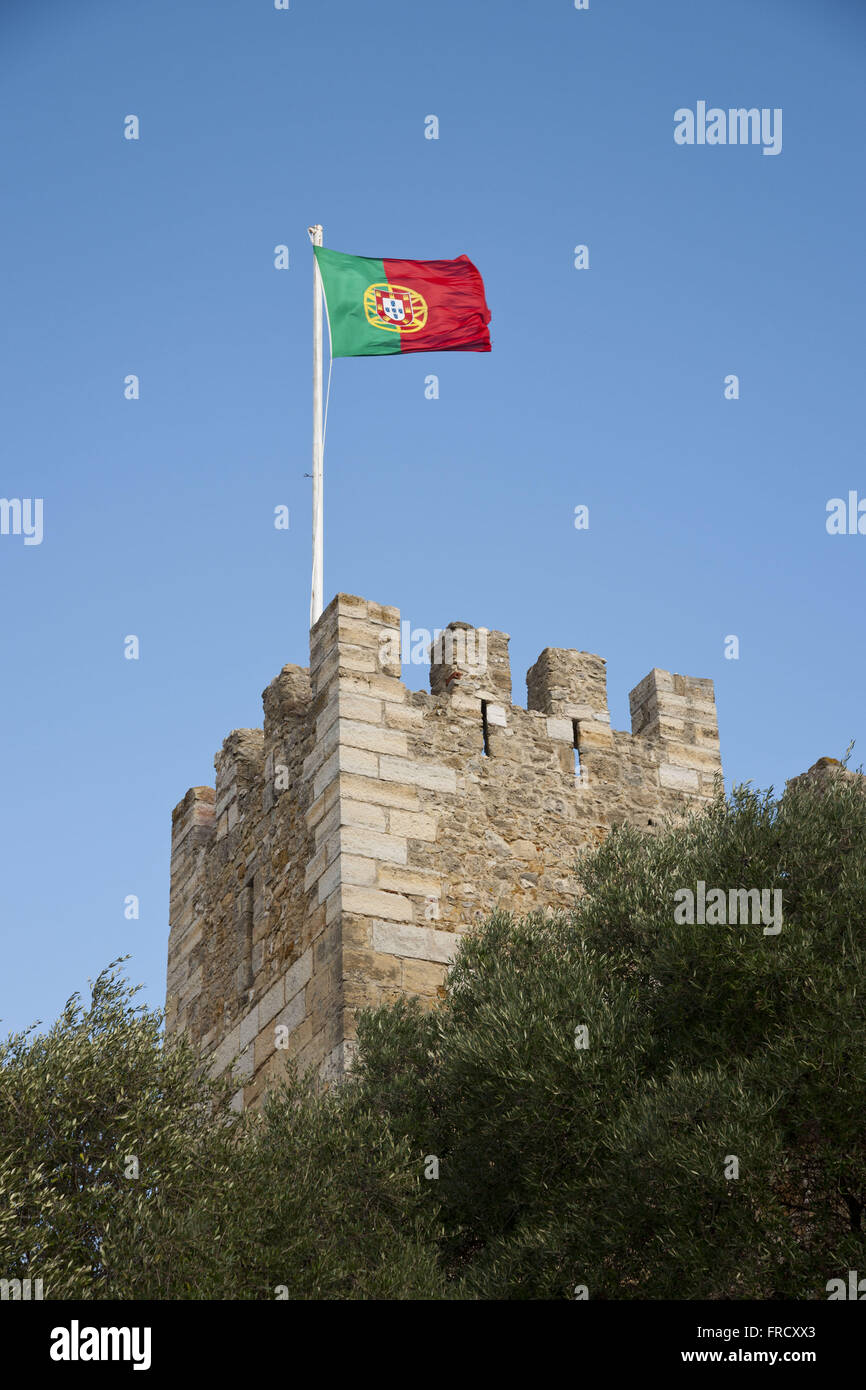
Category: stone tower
[351,840]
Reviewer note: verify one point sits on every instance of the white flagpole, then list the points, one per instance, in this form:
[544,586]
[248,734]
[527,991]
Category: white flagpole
[315,234]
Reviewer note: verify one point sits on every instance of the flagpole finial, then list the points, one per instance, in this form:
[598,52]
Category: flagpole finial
[315,234]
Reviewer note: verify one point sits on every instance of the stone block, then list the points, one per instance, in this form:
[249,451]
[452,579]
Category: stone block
[249,1027]
[372,844]
[403,717]
[418,774]
[413,825]
[423,976]
[358,813]
[355,869]
[292,1016]
[298,974]
[354,734]
[225,1052]
[244,1064]
[372,965]
[271,1002]
[379,793]
[422,943]
[682,779]
[560,729]
[415,882]
[373,902]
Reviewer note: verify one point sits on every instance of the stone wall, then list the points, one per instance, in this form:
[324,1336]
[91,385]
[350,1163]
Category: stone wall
[350,842]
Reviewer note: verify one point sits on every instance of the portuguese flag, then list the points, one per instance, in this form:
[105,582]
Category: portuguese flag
[377,307]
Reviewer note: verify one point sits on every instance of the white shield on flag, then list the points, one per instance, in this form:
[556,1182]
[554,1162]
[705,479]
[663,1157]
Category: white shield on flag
[394,308]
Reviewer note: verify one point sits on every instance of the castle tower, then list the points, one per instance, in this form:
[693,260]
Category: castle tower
[350,842]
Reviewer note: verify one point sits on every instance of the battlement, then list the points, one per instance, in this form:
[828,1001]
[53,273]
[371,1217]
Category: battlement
[350,841]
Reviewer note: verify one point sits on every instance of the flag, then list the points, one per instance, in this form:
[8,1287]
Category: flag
[385,306]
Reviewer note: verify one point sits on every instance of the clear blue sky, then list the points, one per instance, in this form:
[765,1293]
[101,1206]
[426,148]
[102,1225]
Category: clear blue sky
[604,388]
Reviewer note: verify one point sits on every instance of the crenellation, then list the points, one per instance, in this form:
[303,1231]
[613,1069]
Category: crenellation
[351,842]
[470,663]
[569,685]
[678,714]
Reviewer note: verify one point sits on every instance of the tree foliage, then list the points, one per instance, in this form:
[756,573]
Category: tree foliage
[616,1101]
[607,1166]
[124,1173]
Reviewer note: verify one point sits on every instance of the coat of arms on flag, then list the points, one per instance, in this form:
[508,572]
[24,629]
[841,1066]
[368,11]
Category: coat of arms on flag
[395,307]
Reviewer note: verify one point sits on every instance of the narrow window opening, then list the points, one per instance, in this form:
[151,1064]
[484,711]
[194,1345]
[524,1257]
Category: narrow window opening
[576,749]
[485,729]
[246,936]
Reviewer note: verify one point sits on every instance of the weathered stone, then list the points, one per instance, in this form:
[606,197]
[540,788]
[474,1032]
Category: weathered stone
[423,976]
[412,824]
[349,846]
[423,943]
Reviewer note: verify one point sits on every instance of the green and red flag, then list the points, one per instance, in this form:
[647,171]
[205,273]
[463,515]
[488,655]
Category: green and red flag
[385,306]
